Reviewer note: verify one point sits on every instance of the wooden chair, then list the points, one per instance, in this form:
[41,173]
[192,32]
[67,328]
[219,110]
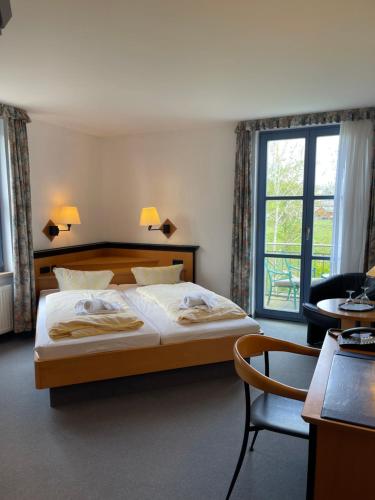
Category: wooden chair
[279,408]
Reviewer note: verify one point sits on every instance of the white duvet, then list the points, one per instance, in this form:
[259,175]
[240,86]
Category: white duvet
[169,298]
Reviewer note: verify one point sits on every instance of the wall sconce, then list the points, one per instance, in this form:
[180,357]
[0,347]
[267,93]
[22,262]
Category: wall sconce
[65,216]
[150,217]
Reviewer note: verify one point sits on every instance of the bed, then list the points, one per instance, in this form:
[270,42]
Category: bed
[160,344]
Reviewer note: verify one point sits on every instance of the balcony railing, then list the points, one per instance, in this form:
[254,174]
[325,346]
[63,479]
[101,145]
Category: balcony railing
[282,272]
[319,249]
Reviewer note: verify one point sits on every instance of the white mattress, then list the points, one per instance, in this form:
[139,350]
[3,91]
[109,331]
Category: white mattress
[46,348]
[172,332]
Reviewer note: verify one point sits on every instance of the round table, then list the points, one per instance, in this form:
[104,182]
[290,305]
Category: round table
[348,319]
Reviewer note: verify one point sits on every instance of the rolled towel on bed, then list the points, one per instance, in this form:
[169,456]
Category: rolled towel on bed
[195,299]
[170,298]
[97,306]
[63,322]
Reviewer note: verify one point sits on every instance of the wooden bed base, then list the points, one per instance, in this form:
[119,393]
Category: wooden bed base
[115,364]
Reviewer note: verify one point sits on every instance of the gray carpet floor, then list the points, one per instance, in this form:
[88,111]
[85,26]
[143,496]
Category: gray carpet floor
[173,435]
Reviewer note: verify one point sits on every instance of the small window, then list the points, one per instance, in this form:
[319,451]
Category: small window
[4,198]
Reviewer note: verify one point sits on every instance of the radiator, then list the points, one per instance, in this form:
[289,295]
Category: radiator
[6,308]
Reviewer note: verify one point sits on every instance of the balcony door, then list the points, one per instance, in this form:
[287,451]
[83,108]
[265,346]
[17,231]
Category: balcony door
[295,207]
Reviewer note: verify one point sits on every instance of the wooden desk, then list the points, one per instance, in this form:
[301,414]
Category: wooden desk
[340,455]
[348,319]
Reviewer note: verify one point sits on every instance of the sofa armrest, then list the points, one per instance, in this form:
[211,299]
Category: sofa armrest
[313,315]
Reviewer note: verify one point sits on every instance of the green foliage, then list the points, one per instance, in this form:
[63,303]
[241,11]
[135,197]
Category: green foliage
[285,171]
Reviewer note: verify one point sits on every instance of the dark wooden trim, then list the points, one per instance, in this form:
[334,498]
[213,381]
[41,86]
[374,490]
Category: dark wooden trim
[38,254]
[50,252]
[153,246]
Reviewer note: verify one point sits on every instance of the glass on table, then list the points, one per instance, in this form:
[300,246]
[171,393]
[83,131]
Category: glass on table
[350,299]
[364,297]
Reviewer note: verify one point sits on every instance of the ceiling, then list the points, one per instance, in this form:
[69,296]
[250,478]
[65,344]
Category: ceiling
[114,67]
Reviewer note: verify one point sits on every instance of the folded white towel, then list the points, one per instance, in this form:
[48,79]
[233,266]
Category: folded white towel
[198,299]
[96,306]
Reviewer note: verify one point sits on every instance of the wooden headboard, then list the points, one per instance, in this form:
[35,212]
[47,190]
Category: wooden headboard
[118,257]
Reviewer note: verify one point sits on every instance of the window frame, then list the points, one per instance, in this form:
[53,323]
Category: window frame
[310,134]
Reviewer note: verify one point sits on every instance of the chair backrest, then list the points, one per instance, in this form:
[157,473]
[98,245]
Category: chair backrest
[336,286]
[251,345]
[289,266]
[273,273]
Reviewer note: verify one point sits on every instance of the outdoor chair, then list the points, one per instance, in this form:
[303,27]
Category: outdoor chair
[282,279]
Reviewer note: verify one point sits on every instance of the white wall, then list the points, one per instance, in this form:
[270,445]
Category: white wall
[65,170]
[188,176]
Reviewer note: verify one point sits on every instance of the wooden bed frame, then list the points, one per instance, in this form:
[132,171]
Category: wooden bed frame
[118,257]
[113,364]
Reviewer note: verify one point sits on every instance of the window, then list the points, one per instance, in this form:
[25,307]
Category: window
[296,187]
[5,230]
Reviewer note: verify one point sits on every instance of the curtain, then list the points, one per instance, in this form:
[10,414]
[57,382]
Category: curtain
[22,244]
[352,197]
[242,223]
[245,168]
[370,243]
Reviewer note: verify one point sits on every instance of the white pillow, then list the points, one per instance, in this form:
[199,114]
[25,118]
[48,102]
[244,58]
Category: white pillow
[82,280]
[166,275]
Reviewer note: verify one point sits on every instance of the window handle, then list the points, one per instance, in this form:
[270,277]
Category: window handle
[308,232]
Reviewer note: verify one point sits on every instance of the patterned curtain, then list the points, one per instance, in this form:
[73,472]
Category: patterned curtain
[243,211]
[22,243]
[308,119]
[370,243]
[242,222]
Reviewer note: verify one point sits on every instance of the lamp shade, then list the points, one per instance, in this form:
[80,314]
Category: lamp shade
[371,272]
[68,215]
[149,217]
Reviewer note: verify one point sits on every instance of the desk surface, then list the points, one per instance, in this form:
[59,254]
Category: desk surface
[315,397]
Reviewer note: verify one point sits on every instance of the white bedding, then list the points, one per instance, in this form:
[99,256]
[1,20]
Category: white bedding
[172,332]
[46,348]
[170,297]
[157,329]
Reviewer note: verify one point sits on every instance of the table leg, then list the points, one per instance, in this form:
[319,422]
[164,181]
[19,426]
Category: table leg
[348,323]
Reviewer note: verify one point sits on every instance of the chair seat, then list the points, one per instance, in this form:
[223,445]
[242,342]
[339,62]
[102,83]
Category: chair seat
[279,414]
[287,282]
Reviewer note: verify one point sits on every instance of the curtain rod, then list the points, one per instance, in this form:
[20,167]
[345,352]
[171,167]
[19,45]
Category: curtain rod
[319,118]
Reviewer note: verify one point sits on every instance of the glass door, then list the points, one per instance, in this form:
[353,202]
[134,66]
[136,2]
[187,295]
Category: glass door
[296,184]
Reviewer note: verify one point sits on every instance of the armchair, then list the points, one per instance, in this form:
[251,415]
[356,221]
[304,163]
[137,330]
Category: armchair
[336,286]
